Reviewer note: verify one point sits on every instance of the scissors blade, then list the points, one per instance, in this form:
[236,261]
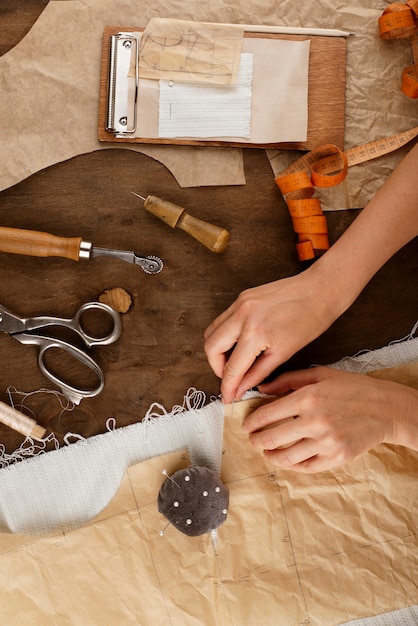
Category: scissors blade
[11,323]
[150,264]
[14,325]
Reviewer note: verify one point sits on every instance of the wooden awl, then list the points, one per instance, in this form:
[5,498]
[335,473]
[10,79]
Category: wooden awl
[213,237]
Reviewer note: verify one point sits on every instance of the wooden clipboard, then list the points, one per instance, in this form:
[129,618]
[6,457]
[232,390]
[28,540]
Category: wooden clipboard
[326,96]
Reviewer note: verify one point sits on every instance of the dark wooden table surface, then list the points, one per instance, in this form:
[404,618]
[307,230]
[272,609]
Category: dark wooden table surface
[160,353]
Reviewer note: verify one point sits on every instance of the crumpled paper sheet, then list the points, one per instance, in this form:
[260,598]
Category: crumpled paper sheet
[49,99]
[295,549]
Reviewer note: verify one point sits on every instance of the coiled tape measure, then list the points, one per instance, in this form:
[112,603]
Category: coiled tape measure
[327,165]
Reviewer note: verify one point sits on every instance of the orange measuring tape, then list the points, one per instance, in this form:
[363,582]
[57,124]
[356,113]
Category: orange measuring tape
[327,165]
[399,21]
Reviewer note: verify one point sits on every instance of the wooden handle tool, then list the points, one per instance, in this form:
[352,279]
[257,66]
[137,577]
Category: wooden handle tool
[213,237]
[37,243]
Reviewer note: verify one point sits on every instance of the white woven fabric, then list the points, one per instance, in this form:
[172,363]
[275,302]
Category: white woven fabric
[190,110]
[402,351]
[403,617]
[66,488]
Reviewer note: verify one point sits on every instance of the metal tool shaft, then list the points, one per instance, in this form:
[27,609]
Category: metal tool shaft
[150,264]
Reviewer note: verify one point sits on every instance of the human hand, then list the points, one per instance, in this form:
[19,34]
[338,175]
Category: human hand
[337,416]
[265,326]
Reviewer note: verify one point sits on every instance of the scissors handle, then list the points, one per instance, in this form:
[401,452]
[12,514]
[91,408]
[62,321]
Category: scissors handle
[75,394]
[90,340]
[75,324]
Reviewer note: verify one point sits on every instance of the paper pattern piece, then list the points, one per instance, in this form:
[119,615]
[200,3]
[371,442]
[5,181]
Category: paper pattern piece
[295,549]
[190,51]
[200,110]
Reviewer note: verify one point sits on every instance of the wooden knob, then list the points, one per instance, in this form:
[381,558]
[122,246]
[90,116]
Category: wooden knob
[213,237]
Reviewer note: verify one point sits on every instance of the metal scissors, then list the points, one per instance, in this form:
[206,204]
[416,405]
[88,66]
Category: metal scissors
[29,331]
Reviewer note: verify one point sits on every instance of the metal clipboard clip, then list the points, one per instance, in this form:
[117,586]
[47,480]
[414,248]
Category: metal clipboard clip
[122,92]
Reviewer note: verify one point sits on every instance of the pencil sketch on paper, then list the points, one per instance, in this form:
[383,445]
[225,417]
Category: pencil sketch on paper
[190,52]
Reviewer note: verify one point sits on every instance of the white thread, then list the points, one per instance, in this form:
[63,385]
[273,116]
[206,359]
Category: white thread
[408,337]
[65,404]
[29,448]
[193,400]
[75,436]
[111,424]
[20,422]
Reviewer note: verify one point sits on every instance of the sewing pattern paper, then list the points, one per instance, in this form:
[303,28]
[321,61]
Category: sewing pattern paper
[295,549]
[188,51]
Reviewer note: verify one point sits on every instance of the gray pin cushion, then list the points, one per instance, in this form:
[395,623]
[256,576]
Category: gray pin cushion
[194,500]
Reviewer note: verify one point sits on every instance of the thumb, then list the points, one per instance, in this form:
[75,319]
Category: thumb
[260,369]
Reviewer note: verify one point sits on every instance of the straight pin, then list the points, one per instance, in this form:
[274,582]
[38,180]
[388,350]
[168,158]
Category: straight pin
[172,479]
[162,532]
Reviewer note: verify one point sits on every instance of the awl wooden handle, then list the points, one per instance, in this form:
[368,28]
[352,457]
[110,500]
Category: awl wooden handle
[36,243]
[213,237]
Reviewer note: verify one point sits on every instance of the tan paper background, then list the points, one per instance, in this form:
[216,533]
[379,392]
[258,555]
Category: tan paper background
[49,100]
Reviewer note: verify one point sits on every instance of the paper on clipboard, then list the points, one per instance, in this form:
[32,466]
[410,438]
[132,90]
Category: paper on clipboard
[279,103]
[279,109]
[190,51]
